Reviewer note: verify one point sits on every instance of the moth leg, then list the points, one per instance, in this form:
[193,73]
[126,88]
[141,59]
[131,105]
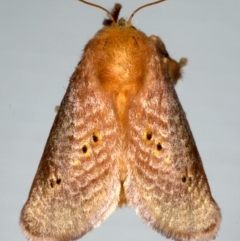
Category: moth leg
[115,13]
[174,68]
[56,109]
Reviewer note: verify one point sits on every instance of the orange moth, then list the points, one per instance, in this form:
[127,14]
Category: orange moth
[121,137]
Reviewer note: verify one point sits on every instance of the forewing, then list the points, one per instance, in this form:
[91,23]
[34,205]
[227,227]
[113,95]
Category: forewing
[77,182]
[166,181]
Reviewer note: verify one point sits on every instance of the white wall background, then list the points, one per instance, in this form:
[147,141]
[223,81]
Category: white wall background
[40,45]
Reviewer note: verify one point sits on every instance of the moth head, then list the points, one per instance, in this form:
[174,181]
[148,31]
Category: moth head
[115,13]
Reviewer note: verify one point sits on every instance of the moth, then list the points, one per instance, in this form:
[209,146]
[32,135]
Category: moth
[121,137]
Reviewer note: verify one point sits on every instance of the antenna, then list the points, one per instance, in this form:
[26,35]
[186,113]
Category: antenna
[146,5]
[98,6]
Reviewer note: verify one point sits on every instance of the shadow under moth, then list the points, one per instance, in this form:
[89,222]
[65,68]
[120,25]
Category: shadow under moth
[121,137]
